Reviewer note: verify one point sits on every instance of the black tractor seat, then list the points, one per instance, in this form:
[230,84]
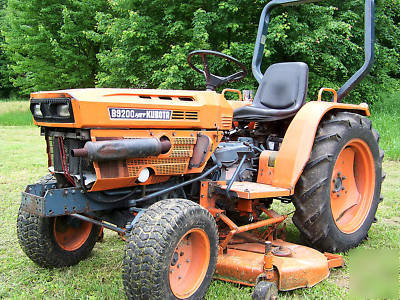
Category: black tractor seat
[281,94]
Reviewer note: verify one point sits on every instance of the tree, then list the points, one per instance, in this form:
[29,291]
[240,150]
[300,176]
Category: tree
[145,43]
[5,84]
[54,44]
[47,43]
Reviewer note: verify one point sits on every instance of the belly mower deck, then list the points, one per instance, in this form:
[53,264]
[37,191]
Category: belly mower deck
[252,253]
[293,266]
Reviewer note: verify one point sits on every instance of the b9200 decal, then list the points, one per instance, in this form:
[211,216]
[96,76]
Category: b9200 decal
[139,114]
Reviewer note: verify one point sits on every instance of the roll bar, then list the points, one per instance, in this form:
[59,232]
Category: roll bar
[369,40]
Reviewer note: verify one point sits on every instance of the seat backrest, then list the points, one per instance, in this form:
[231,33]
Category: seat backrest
[284,86]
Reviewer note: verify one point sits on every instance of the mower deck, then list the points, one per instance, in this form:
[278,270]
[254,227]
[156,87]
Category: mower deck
[257,252]
[295,266]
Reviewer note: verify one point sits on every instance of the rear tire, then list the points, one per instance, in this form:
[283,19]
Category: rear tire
[171,252]
[337,195]
[55,242]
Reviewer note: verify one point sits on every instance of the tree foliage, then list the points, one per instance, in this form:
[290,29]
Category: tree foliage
[47,43]
[144,44]
[5,84]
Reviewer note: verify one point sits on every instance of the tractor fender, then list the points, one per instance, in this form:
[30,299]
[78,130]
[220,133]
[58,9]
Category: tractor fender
[297,144]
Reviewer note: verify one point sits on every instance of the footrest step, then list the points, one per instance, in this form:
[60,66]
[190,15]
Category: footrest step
[254,190]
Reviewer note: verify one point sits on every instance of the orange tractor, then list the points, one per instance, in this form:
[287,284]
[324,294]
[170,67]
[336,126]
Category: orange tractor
[189,177]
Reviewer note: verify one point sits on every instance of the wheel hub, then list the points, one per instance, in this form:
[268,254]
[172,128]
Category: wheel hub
[338,184]
[189,263]
[352,187]
[70,234]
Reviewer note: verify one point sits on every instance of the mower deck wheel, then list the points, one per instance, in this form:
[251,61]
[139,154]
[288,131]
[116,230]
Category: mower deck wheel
[265,290]
[171,252]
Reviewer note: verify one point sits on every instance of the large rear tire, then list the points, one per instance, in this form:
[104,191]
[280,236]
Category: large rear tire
[55,242]
[337,195]
[171,252]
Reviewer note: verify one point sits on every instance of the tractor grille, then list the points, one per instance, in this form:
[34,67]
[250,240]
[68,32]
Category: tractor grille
[60,153]
[184,115]
[175,98]
[226,121]
[163,166]
[176,162]
[184,140]
[182,151]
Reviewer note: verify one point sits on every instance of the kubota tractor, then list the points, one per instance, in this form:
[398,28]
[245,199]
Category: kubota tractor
[189,178]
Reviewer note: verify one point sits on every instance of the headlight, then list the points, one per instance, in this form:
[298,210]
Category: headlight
[52,110]
[63,110]
[37,112]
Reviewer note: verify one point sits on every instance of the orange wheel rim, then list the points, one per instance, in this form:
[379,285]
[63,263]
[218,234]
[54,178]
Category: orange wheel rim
[352,186]
[70,234]
[189,263]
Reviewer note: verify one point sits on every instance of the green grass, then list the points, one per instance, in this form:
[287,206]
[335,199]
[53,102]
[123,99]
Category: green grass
[16,118]
[23,160]
[385,116]
[15,113]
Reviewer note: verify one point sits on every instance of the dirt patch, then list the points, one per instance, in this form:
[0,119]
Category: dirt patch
[340,279]
[395,221]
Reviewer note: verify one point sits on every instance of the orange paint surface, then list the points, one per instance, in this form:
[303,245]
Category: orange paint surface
[299,139]
[190,109]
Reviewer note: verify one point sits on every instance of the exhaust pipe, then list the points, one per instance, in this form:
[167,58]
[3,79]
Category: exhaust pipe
[122,149]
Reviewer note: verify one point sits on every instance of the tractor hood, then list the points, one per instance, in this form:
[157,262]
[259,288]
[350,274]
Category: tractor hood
[131,108]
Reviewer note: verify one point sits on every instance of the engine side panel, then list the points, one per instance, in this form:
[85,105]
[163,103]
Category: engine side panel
[119,174]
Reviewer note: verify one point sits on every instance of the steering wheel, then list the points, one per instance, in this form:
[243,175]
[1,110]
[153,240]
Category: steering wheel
[214,81]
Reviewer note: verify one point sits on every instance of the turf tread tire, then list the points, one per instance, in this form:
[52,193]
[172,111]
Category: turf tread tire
[36,238]
[152,241]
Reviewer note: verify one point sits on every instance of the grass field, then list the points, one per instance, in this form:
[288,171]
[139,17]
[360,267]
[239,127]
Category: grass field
[385,116]
[15,113]
[23,161]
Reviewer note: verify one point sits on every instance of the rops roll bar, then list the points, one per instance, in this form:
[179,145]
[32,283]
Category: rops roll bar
[369,40]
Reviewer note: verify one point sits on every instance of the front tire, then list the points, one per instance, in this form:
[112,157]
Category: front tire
[55,242]
[337,195]
[171,252]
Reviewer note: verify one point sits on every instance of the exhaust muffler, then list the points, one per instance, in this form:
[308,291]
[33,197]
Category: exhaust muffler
[123,149]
